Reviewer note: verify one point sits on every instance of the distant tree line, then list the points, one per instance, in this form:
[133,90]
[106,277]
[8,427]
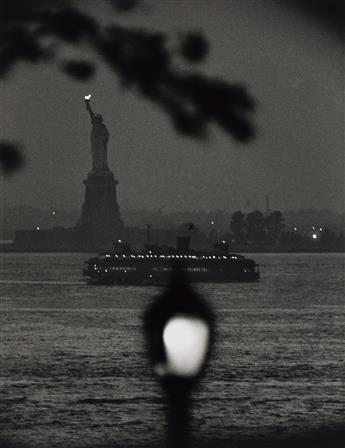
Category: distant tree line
[257,227]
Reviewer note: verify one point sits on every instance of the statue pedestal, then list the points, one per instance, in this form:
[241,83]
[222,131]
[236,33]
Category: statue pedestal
[100,220]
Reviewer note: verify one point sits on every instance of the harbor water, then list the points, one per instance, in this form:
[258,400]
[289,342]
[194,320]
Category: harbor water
[74,371]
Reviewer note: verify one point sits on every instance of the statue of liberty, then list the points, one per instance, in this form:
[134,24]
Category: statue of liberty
[99,140]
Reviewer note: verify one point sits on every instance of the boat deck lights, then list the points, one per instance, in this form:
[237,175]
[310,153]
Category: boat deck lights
[194,257]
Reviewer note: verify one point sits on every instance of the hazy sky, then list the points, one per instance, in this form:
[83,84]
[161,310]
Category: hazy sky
[293,69]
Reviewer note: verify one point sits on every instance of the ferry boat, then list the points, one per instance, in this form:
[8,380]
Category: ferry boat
[154,266]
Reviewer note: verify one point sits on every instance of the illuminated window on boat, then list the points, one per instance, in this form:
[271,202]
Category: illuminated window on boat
[198,269]
[124,268]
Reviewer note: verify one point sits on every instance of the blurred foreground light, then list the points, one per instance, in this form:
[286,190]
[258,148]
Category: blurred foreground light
[314,236]
[37,228]
[186,341]
[179,329]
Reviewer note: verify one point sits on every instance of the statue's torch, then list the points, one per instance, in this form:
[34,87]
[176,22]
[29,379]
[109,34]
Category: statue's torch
[87,101]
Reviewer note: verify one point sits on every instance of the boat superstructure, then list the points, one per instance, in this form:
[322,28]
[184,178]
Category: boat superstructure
[156,266]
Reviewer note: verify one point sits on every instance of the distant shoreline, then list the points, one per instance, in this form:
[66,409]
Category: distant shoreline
[282,248]
[255,248]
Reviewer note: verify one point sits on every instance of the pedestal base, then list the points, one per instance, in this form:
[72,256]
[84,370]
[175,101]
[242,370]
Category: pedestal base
[100,219]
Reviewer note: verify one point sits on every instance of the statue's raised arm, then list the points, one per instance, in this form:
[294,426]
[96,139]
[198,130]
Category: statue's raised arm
[99,140]
[88,108]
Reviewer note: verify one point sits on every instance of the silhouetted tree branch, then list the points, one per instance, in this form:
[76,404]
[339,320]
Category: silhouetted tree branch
[10,157]
[142,60]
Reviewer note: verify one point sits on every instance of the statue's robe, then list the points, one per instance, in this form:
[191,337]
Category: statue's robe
[99,140]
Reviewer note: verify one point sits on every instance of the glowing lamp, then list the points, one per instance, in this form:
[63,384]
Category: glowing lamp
[314,236]
[37,228]
[87,97]
[186,341]
[179,329]
[179,326]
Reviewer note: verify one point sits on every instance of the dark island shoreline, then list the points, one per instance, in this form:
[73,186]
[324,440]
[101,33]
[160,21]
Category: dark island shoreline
[243,249]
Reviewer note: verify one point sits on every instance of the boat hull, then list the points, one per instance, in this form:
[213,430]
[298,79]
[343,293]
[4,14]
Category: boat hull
[157,270]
